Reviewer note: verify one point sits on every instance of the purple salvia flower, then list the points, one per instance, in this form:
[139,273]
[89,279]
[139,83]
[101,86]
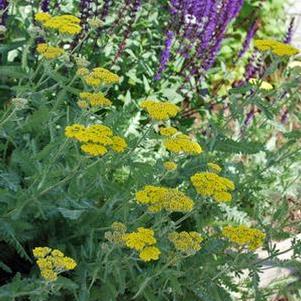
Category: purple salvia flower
[250,116]
[3,7]
[165,54]
[45,5]
[289,35]
[105,9]
[250,34]
[135,6]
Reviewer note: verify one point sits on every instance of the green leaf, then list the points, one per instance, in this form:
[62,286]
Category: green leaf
[12,71]
[228,145]
[70,213]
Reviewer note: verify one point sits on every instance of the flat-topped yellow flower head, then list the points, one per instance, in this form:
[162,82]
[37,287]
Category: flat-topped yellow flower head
[277,48]
[49,52]
[212,185]
[101,76]
[160,110]
[52,262]
[96,139]
[141,238]
[42,17]
[244,236]
[186,242]
[65,24]
[163,198]
[264,85]
[182,144]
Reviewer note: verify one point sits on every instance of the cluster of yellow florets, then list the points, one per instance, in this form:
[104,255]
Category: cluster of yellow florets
[186,242]
[159,198]
[98,76]
[96,139]
[118,234]
[52,262]
[143,241]
[95,99]
[180,143]
[213,185]
[263,85]
[168,131]
[214,167]
[160,110]
[49,52]
[65,24]
[277,48]
[244,236]
[169,165]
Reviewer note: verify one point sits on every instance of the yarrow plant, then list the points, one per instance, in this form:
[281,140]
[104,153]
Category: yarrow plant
[126,156]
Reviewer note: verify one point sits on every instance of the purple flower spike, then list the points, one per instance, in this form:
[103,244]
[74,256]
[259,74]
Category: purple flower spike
[250,34]
[105,9]
[3,7]
[289,34]
[45,5]
[165,54]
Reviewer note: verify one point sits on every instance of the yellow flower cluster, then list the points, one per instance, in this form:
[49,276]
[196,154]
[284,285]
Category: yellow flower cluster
[214,167]
[118,234]
[42,17]
[95,99]
[160,110]
[244,236]
[213,185]
[169,165]
[96,139]
[99,76]
[168,131]
[159,198]
[264,85]
[49,52]
[65,24]
[186,242]
[277,48]
[180,143]
[143,241]
[52,262]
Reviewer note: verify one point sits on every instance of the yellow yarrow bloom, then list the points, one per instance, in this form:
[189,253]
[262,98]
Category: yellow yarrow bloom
[264,85]
[244,236]
[42,17]
[186,242]
[160,110]
[159,198]
[212,185]
[95,99]
[170,165]
[100,76]
[149,253]
[277,48]
[65,24]
[41,251]
[119,144]
[181,143]
[94,149]
[52,262]
[143,237]
[49,52]
[96,139]
[214,167]
[169,131]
